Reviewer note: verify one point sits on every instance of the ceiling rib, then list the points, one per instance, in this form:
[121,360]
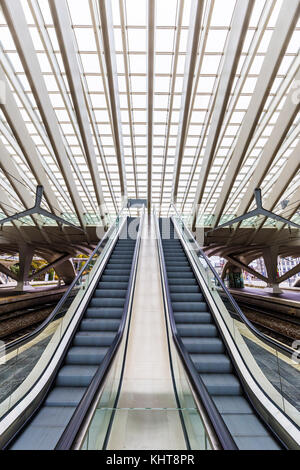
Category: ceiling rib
[19,29]
[285,25]
[189,74]
[65,37]
[106,23]
[239,26]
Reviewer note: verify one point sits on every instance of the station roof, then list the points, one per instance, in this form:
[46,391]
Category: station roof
[190,101]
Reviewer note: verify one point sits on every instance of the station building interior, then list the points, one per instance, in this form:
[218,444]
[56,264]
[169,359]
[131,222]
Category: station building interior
[149,225]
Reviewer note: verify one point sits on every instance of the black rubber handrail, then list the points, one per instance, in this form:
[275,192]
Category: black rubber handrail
[225,439]
[70,433]
[26,338]
[264,338]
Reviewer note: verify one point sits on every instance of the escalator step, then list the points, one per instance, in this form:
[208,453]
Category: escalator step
[86,355]
[195,317]
[104,312]
[95,324]
[65,396]
[120,293]
[76,376]
[99,302]
[93,338]
[112,285]
[203,345]
[222,384]
[196,329]
[185,289]
[189,306]
[212,363]
[187,297]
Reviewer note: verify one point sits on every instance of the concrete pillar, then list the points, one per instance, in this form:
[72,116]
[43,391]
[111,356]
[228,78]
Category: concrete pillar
[270,255]
[26,253]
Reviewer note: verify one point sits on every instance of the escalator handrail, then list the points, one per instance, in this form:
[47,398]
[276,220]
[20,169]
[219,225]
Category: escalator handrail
[218,425]
[30,336]
[266,339]
[71,431]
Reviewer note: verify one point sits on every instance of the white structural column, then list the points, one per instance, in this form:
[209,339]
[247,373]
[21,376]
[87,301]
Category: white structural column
[284,28]
[150,94]
[17,23]
[106,22]
[189,74]
[21,134]
[237,35]
[66,41]
[147,415]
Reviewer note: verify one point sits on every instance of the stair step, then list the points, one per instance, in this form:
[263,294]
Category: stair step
[111,302]
[104,312]
[203,345]
[189,306]
[120,293]
[86,355]
[95,324]
[76,376]
[194,317]
[197,329]
[187,297]
[212,363]
[94,338]
[65,396]
[222,384]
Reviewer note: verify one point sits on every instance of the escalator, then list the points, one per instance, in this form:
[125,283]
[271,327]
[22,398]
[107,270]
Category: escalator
[89,347]
[203,341]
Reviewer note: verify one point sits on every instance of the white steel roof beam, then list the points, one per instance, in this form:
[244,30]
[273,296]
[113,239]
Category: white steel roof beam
[106,23]
[284,28]
[189,74]
[239,27]
[17,23]
[63,27]
[26,144]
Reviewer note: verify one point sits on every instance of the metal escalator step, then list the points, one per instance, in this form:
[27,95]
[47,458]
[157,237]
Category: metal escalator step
[76,375]
[115,278]
[112,285]
[232,405]
[185,289]
[104,313]
[120,293]
[95,324]
[212,363]
[94,338]
[100,302]
[189,306]
[194,317]
[187,297]
[203,345]
[86,355]
[65,396]
[197,329]
[222,384]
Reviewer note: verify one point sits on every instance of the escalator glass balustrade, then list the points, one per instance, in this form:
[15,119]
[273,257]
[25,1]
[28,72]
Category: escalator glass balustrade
[203,338]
